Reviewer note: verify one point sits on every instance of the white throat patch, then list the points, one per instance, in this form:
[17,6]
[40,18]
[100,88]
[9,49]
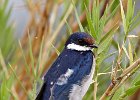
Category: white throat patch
[73,46]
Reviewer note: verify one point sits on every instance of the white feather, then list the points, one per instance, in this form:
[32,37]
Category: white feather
[77,92]
[64,78]
[73,46]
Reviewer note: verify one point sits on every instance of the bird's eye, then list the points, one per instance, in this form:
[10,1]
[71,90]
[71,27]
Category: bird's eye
[80,41]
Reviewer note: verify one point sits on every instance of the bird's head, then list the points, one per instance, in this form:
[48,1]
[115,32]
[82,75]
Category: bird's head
[80,41]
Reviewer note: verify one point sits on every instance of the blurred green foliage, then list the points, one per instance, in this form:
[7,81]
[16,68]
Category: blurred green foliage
[6,50]
[107,54]
[6,30]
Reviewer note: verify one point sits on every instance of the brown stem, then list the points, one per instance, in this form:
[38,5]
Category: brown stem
[130,68]
[104,7]
[122,77]
[95,89]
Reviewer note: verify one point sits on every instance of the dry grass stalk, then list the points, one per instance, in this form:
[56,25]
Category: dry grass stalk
[121,79]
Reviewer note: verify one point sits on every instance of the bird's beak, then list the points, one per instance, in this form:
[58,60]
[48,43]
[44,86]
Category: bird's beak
[93,46]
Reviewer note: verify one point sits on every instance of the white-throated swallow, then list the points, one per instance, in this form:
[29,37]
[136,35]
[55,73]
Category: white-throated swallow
[71,74]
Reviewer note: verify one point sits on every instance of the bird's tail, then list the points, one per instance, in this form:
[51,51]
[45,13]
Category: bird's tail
[41,92]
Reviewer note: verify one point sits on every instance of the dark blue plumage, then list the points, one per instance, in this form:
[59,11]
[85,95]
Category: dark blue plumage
[70,68]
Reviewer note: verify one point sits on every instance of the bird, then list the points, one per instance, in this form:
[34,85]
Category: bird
[71,74]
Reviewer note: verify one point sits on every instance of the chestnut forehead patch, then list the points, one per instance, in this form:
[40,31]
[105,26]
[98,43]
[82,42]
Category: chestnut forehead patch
[89,40]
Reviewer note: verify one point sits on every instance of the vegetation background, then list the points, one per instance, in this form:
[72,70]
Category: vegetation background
[113,23]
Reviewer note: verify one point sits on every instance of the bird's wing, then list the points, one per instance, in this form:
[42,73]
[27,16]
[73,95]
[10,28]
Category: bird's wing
[66,60]
[50,76]
[63,86]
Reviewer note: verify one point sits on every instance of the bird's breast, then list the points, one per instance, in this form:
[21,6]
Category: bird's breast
[78,91]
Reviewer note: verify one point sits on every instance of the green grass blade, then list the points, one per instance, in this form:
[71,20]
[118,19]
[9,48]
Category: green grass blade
[18,79]
[31,54]
[90,24]
[106,39]
[69,28]
[123,18]
[77,17]
[26,64]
